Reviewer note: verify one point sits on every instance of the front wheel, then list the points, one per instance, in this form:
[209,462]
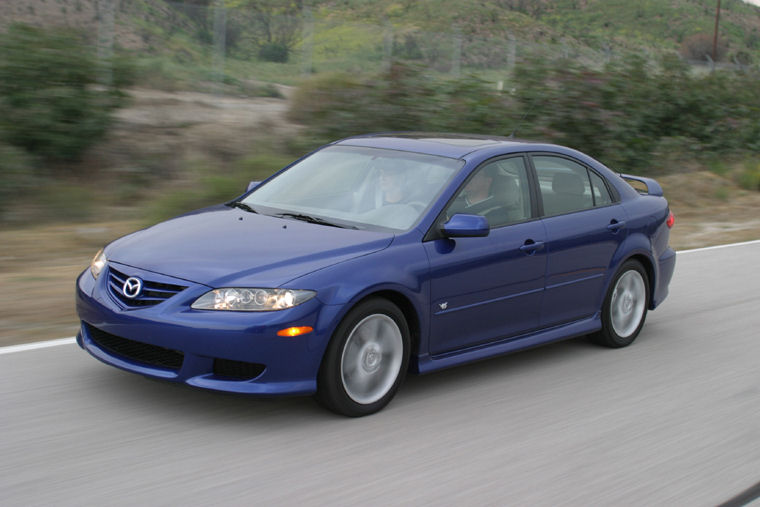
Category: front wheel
[625,306]
[366,360]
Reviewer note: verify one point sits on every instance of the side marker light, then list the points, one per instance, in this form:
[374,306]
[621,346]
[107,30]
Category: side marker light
[671,220]
[295,331]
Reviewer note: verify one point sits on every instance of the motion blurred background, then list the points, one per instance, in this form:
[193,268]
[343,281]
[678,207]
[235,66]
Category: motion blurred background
[115,114]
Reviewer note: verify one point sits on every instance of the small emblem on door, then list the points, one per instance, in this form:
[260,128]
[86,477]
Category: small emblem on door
[444,305]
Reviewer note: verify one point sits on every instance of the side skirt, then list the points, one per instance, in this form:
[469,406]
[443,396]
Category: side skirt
[427,363]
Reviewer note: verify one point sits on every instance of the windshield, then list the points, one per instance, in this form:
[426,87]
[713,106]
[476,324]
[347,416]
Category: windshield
[360,187]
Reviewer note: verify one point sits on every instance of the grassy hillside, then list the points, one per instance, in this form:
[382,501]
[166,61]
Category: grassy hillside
[599,24]
[175,41]
[655,23]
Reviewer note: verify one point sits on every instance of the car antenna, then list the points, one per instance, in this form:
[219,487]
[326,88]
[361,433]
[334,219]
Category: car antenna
[522,120]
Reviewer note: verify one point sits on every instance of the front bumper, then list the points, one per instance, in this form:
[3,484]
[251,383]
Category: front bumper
[198,341]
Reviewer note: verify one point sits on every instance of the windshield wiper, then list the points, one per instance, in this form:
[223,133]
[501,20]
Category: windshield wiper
[241,205]
[312,220]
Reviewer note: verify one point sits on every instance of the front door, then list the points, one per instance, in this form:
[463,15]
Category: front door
[488,288]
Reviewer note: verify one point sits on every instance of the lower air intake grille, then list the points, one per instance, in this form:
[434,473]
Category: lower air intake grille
[151,355]
[237,370]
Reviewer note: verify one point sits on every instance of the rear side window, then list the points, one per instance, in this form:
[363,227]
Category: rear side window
[568,186]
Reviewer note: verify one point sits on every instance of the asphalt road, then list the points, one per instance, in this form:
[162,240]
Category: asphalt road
[672,420]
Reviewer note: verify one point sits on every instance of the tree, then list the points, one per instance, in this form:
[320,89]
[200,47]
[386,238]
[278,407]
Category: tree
[275,26]
[51,104]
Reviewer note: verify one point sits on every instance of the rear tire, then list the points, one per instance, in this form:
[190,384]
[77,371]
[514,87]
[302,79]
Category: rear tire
[625,306]
[366,360]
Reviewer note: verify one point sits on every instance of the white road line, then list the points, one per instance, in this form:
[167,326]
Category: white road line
[68,341]
[717,247]
[36,345]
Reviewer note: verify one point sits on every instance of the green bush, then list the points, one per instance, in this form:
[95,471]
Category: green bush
[402,98]
[259,167]
[64,201]
[51,101]
[16,174]
[214,186]
[621,114]
[749,177]
[274,52]
[625,115]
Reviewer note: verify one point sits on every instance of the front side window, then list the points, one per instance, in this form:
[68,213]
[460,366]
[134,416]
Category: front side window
[366,188]
[498,190]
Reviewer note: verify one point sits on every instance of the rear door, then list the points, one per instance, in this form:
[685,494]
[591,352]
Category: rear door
[584,228]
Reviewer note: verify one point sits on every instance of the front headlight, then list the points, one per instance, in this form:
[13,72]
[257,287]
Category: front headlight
[252,300]
[98,263]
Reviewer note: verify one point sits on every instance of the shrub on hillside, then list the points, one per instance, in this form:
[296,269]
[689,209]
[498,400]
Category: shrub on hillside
[274,52]
[16,173]
[51,103]
[700,47]
[618,115]
[402,98]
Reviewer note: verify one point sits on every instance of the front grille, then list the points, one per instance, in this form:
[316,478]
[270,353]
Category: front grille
[152,292]
[151,355]
[237,370]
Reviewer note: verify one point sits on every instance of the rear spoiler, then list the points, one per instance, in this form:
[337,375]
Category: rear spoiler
[653,188]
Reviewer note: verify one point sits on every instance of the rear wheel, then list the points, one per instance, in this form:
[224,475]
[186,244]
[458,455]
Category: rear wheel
[366,360]
[625,306]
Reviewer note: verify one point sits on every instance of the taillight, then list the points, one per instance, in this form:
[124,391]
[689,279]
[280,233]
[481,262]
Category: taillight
[671,220]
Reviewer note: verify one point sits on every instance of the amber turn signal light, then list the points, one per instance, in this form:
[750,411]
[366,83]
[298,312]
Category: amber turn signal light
[295,331]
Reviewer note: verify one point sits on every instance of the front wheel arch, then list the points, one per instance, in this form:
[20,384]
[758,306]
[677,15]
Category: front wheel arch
[366,359]
[398,298]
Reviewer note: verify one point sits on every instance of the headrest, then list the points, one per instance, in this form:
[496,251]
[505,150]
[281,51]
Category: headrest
[567,183]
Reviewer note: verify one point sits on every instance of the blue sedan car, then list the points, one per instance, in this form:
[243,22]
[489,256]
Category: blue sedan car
[380,255]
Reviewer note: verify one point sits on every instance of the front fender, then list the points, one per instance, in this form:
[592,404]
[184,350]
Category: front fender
[402,269]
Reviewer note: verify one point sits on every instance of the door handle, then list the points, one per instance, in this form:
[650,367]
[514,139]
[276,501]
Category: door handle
[530,247]
[615,226]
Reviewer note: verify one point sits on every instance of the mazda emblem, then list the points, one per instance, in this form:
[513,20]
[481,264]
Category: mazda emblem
[132,287]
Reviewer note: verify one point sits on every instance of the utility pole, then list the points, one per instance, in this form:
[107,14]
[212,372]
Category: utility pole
[715,36]
[106,10]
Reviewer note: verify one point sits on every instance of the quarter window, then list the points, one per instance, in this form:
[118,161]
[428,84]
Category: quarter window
[601,194]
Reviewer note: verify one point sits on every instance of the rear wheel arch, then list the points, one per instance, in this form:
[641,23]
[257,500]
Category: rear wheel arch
[635,247]
[625,305]
[648,266]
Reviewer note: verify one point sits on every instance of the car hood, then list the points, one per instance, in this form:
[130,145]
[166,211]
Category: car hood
[223,247]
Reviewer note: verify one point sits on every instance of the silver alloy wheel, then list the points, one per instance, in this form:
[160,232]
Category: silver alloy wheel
[627,304]
[371,359]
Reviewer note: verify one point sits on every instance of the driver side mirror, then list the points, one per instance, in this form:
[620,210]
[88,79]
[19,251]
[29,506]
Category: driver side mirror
[466,226]
[252,185]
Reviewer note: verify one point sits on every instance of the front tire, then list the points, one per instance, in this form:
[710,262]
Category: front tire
[625,306]
[366,360]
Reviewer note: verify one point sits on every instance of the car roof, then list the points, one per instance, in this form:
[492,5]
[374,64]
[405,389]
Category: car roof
[444,145]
